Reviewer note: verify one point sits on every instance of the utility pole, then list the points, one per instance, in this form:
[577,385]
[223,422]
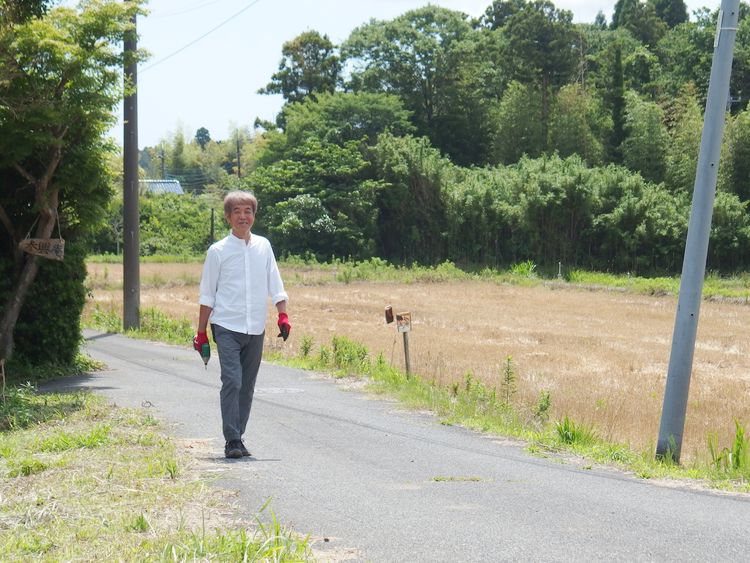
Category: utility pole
[131,216]
[672,425]
[239,165]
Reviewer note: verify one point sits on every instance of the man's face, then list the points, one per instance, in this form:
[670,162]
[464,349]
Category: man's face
[241,219]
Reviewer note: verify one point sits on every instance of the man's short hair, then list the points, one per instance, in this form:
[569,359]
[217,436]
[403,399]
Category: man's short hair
[238,197]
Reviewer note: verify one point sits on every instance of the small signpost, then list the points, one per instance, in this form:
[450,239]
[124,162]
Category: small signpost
[403,325]
[52,248]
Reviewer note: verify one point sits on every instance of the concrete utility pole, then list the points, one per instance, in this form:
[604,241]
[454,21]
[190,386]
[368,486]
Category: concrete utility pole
[131,286]
[239,164]
[672,425]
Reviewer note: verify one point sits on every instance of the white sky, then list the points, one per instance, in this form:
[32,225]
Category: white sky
[213,82]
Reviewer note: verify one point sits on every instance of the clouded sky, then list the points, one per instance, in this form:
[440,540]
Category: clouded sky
[209,57]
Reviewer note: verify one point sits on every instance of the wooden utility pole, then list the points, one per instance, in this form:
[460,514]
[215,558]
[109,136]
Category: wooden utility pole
[131,215]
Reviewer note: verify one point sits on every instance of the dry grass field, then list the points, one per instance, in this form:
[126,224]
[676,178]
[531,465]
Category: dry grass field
[602,355]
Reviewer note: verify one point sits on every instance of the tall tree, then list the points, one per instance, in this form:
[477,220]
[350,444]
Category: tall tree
[498,13]
[735,170]
[518,125]
[578,124]
[685,126]
[640,19]
[19,11]
[645,145]
[202,137]
[346,116]
[60,78]
[671,12]
[541,48]
[410,57]
[309,65]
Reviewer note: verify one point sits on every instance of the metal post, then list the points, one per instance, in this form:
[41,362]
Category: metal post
[672,425]
[406,354]
[131,215]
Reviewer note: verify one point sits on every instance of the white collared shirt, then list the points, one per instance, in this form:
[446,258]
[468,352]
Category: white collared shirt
[237,281]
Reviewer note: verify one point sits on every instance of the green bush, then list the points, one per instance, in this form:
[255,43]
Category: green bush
[48,329]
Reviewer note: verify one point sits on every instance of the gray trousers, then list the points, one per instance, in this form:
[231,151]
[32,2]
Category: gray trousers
[239,358]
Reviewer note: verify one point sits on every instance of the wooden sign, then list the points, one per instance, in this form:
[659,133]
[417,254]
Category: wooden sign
[403,322]
[52,248]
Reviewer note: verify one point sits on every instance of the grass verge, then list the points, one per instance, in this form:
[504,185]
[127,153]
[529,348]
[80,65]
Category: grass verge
[496,411]
[82,480]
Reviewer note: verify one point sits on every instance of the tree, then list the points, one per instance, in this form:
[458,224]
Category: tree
[645,145]
[498,13]
[735,167]
[19,11]
[342,117]
[202,137]
[309,65]
[540,48]
[319,200]
[518,125]
[684,140]
[640,19]
[410,58]
[671,12]
[577,125]
[60,78]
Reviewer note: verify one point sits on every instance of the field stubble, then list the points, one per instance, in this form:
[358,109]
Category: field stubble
[602,355]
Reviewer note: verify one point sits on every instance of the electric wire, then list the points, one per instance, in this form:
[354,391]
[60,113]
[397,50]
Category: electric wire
[194,41]
[187,10]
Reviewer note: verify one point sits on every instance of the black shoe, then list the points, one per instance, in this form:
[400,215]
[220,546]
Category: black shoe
[244,451]
[232,449]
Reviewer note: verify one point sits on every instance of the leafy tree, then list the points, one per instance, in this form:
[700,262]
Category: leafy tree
[498,13]
[671,12]
[410,57]
[578,124]
[202,137]
[729,246]
[412,208]
[640,19]
[342,117]
[309,65]
[19,11]
[518,125]
[645,144]
[686,53]
[540,48]
[617,107]
[476,78]
[320,199]
[734,172]
[59,83]
[684,141]
[640,71]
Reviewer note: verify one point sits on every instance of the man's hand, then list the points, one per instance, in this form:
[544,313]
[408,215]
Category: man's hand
[199,340]
[284,326]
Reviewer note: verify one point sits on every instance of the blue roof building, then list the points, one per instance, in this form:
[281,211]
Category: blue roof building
[161,186]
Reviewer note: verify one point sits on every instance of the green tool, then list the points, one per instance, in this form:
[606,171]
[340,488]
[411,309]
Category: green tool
[205,353]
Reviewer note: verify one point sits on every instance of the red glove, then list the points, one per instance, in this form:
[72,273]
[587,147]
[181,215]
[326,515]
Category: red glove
[284,326]
[199,340]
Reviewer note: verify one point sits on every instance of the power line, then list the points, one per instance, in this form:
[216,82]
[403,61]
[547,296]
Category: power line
[187,10]
[194,41]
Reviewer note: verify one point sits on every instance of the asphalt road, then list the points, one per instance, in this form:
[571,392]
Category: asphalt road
[371,481]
